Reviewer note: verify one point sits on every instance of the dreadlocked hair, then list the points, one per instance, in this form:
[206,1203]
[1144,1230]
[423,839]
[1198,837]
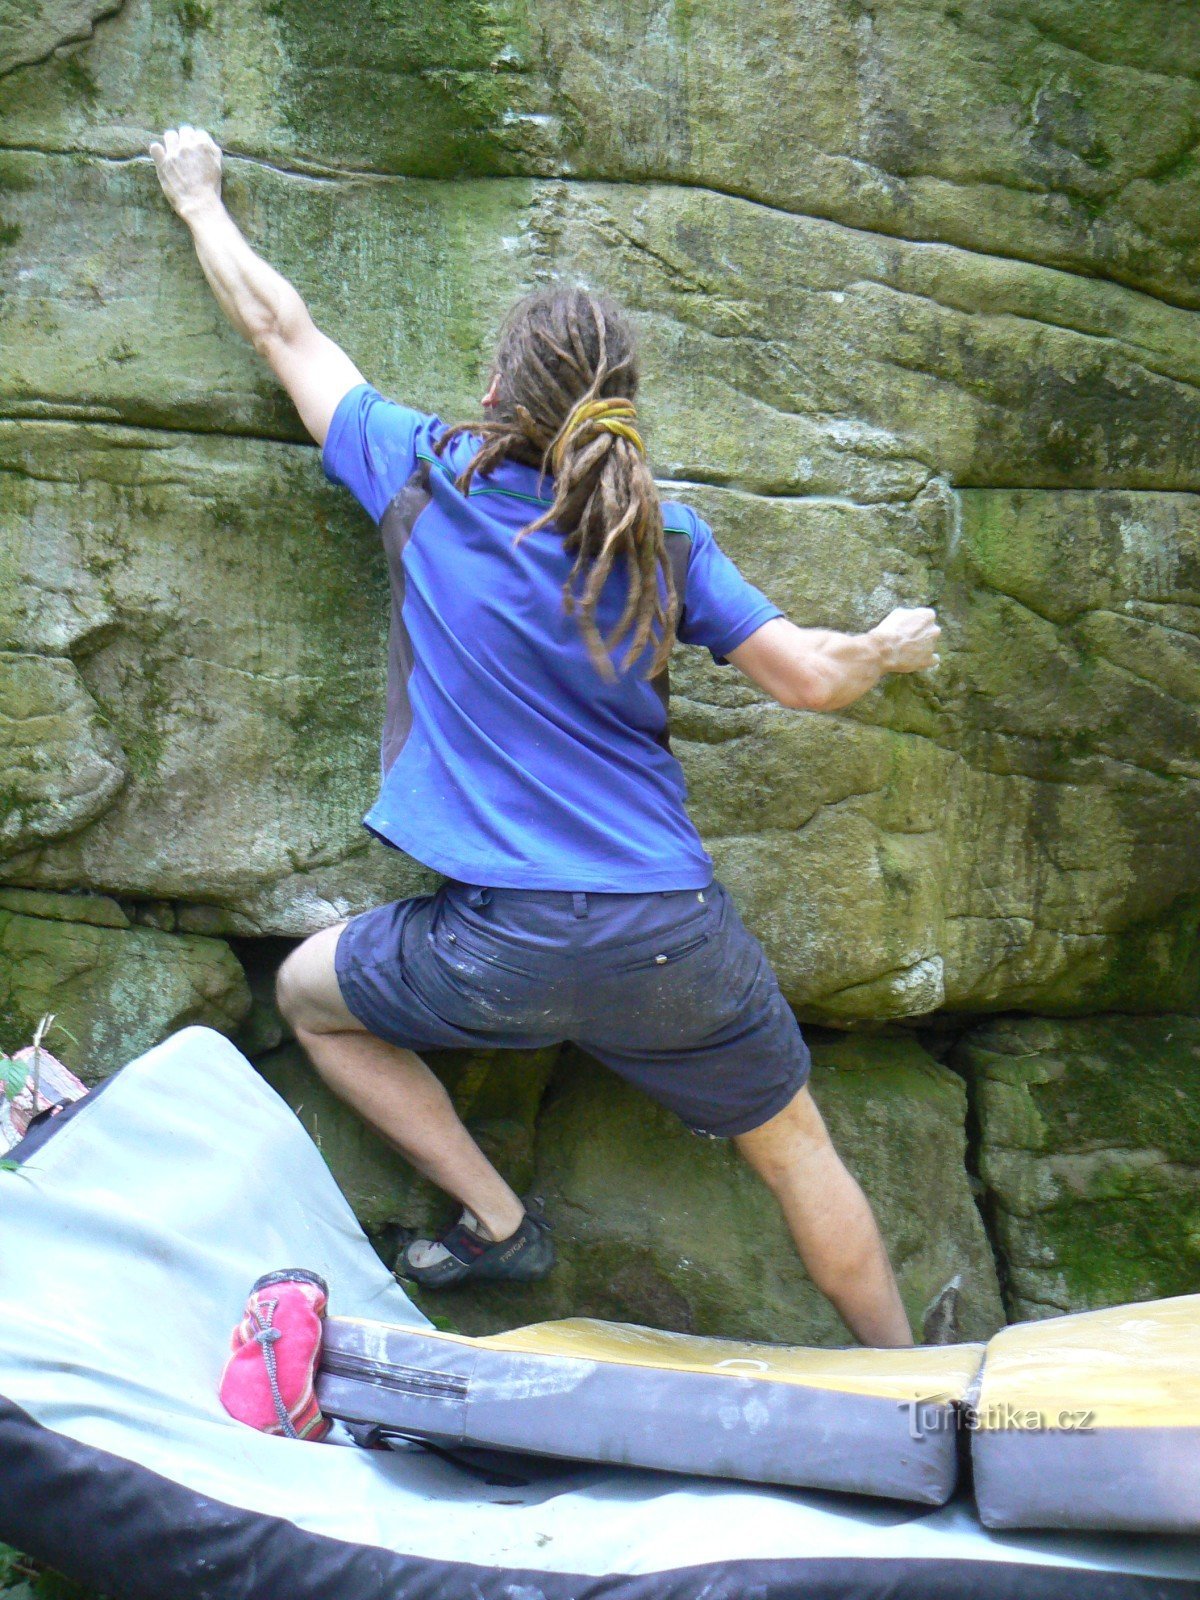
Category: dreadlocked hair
[567,372]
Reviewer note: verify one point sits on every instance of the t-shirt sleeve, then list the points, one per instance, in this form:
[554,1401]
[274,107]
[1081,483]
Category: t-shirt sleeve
[721,609]
[372,444]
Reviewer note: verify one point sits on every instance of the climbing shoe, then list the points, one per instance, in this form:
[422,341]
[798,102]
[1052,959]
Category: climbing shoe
[464,1254]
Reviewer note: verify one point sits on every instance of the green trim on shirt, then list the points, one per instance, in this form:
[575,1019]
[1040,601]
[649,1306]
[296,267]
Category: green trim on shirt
[515,494]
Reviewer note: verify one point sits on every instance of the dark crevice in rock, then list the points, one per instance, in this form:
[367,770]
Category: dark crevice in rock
[263,1029]
[983,1196]
[310,171]
[939,1033]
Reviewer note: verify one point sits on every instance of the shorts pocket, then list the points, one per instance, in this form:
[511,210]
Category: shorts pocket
[675,942]
[490,958]
[665,953]
[456,943]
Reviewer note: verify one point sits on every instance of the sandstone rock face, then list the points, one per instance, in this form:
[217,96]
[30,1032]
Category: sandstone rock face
[113,989]
[865,422]
[243,714]
[30,35]
[1090,1151]
[1040,129]
[917,292]
[1014,831]
[61,765]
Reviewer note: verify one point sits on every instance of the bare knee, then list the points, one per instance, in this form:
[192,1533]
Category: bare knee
[306,987]
[289,991]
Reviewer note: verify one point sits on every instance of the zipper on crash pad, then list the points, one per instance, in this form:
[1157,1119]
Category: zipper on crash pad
[387,1375]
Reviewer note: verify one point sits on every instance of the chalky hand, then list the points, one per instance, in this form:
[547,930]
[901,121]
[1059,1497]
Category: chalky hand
[188,161]
[907,638]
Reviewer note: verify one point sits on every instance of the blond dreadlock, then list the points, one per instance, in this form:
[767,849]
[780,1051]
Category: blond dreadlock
[567,369]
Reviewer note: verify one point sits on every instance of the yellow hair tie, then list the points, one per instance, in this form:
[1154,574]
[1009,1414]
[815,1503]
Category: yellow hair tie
[613,416]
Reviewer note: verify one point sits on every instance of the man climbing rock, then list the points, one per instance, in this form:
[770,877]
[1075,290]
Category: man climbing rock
[538,586]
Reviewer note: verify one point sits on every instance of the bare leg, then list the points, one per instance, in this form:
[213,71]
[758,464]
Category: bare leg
[830,1220]
[391,1088]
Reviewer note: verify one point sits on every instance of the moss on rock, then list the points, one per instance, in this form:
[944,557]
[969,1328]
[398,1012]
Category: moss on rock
[1090,1153]
[114,991]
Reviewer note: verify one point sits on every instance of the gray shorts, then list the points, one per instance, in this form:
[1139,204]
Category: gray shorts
[667,988]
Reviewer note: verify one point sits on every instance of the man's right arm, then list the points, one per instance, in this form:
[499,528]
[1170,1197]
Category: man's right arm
[262,305]
[817,669]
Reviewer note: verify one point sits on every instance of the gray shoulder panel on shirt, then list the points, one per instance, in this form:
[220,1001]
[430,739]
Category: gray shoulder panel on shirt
[395,527]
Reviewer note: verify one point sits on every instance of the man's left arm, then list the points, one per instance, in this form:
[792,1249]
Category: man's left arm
[262,305]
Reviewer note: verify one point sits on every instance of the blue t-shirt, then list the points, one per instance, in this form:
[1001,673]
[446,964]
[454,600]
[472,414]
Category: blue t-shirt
[507,759]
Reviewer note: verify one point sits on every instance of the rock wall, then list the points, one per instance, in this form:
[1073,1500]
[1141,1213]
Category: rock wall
[1090,1152]
[917,288]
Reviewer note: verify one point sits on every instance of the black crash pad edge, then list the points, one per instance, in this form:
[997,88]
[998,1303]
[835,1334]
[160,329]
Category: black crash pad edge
[134,1534]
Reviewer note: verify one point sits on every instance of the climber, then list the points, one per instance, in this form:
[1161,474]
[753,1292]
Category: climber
[538,586]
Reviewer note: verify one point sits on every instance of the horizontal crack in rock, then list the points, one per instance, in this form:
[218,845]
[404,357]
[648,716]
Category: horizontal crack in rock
[311,170]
